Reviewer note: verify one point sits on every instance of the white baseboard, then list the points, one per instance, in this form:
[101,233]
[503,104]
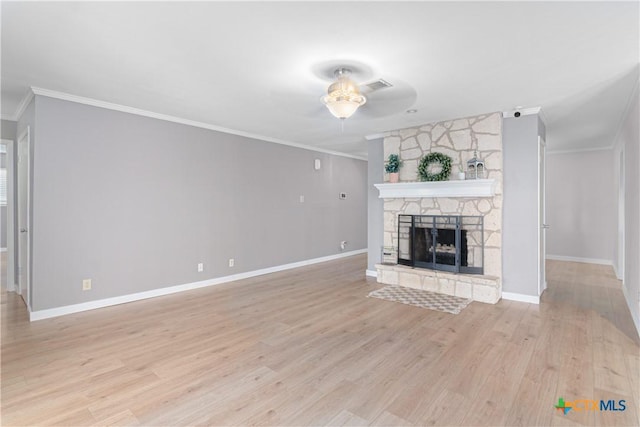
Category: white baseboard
[617,272]
[579,259]
[635,316]
[92,305]
[371,273]
[521,297]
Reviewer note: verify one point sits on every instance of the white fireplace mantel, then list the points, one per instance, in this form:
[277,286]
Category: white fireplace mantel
[462,188]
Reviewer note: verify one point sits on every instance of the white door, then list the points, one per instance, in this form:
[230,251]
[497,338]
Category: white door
[24,153]
[542,245]
[621,192]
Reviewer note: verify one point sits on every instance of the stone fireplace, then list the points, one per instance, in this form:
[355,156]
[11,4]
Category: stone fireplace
[477,272]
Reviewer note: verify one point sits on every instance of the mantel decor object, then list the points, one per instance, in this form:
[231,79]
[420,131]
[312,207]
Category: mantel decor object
[389,255]
[393,167]
[434,167]
[475,167]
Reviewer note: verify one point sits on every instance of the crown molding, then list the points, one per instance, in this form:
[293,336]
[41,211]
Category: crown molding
[24,104]
[376,136]
[543,117]
[523,112]
[392,132]
[627,108]
[151,114]
[579,150]
[21,107]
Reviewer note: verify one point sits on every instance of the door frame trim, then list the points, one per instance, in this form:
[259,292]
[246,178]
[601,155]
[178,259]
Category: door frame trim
[619,266]
[542,233]
[26,134]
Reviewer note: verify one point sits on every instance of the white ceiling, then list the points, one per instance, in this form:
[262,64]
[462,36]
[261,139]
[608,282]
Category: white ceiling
[260,68]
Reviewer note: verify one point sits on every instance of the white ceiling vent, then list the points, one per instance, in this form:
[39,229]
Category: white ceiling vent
[377,85]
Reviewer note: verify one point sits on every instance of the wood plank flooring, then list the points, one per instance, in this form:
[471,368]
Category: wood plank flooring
[306,347]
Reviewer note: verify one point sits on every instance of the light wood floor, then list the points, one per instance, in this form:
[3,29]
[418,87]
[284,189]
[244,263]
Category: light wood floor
[306,347]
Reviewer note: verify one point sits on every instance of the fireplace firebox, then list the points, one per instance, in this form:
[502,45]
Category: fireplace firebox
[442,242]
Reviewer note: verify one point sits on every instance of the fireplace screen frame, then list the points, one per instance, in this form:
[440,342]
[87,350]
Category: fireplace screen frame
[459,224]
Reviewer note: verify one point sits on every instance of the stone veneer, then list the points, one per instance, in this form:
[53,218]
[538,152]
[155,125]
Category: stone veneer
[457,139]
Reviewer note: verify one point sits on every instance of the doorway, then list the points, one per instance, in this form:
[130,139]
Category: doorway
[7,205]
[542,217]
[24,217]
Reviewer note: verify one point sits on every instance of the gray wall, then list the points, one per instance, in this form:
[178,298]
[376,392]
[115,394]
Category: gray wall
[581,205]
[375,204]
[135,203]
[27,120]
[8,131]
[520,210]
[629,141]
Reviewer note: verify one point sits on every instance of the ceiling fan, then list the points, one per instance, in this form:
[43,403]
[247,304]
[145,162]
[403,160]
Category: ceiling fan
[344,97]
[377,98]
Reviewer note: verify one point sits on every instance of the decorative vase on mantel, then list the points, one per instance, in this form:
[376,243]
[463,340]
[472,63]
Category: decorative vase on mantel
[393,167]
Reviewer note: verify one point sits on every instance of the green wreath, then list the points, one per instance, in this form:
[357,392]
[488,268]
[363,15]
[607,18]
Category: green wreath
[425,171]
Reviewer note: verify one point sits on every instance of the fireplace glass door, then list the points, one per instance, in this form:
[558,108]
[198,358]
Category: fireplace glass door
[441,242]
[405,227]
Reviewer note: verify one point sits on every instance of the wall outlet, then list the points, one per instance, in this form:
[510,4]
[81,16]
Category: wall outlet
[343,245]
[301,199]
[343,196]
[200,267]
[86,285]
[232,262]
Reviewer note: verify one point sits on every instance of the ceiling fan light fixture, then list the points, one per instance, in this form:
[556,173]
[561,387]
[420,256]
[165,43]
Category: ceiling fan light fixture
[341,109]
[343,97]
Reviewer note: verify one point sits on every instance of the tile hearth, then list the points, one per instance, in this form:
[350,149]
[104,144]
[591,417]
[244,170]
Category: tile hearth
[481,288]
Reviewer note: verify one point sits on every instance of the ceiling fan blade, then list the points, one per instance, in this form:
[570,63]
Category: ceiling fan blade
[304,105]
